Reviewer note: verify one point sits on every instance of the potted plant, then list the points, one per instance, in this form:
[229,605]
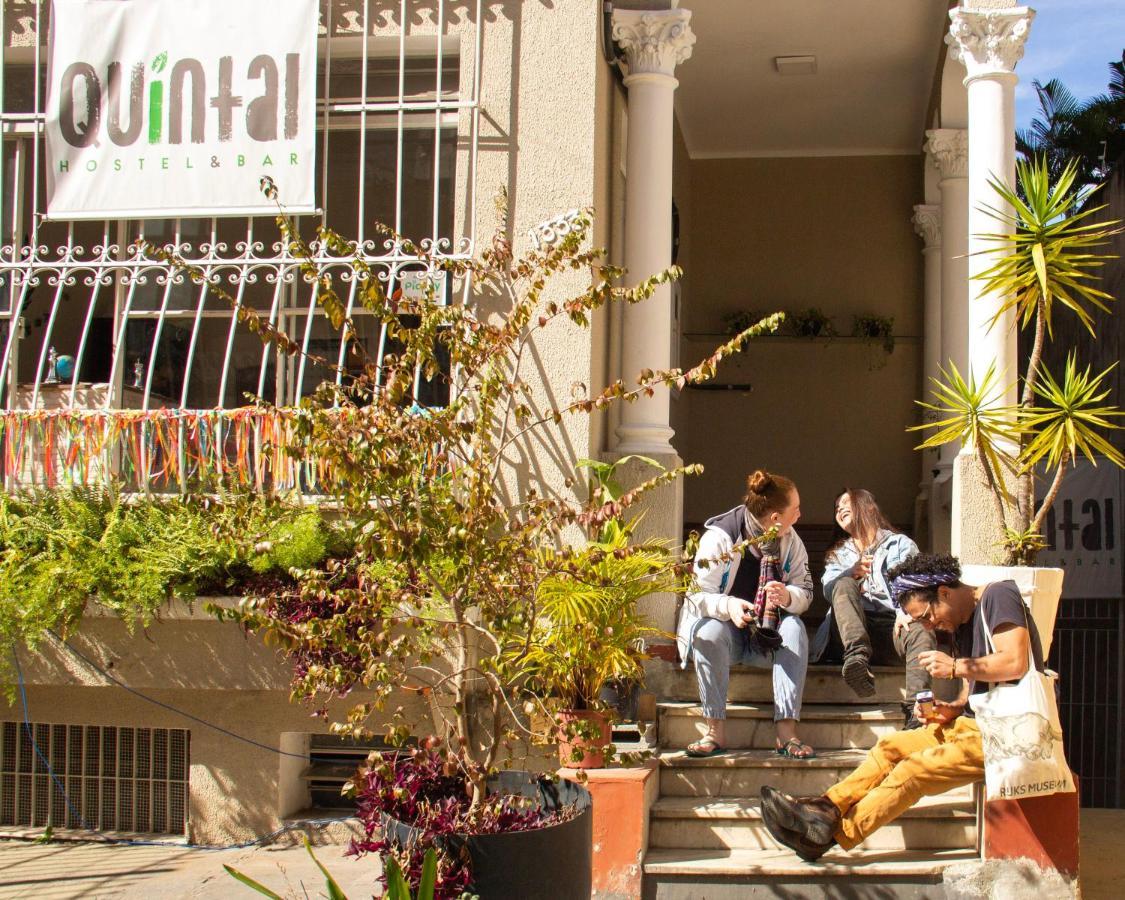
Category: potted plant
[1047,261]
[439,599]
[811,323]
[590,634]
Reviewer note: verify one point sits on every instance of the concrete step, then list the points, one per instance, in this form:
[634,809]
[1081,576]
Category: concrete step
[678,874]
[944,822]
[823,684]
[823,726]
[741,773]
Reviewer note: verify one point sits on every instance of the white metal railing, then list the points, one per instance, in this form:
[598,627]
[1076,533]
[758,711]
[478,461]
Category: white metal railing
[88,321]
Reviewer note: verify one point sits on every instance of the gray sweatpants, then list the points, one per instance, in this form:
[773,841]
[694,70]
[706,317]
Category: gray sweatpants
[718,645]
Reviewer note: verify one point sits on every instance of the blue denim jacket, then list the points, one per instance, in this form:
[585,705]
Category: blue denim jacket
[890,550]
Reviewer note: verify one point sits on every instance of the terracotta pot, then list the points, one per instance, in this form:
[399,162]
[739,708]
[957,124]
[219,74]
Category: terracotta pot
[571,744]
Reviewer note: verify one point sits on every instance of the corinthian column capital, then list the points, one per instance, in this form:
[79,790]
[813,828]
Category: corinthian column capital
[949,149]
[988,42]
[654,42]
[927,224]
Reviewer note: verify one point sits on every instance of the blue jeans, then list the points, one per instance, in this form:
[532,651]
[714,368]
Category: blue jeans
[718,645]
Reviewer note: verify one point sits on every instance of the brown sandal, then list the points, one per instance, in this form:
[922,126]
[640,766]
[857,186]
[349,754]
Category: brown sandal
[792,748]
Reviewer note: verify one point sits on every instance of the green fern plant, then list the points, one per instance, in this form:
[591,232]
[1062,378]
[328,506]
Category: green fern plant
[61,549]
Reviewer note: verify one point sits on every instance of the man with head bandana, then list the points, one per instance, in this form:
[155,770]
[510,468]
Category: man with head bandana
[947,752]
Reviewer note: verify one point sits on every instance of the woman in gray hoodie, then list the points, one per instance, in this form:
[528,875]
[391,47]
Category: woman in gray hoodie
[712,631]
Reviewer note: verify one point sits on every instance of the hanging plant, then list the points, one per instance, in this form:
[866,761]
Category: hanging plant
[810,323]
[875,330]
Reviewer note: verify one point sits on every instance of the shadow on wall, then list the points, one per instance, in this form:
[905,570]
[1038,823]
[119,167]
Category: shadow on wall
[168,655]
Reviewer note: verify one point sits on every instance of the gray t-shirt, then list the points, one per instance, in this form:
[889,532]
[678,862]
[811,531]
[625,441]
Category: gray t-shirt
[1000,604]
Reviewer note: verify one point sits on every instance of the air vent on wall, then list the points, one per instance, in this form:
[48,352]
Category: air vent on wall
[116,779]
[795,65]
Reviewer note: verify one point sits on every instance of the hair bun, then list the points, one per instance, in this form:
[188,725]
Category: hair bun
[759,482]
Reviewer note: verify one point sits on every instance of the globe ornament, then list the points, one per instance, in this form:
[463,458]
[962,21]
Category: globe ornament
[64,368]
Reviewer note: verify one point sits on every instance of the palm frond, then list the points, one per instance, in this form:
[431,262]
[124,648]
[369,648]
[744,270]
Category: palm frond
[1070,419]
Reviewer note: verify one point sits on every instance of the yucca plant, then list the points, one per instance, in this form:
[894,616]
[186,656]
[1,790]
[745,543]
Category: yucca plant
[1048,259]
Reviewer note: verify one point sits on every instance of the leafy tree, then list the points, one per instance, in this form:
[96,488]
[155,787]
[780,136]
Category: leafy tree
[1090,132]
[454,546]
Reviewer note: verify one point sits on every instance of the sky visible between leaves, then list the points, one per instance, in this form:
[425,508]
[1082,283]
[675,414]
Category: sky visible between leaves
[1074,41]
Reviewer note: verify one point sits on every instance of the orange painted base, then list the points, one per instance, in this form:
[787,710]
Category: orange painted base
[1043,829]
[622,799]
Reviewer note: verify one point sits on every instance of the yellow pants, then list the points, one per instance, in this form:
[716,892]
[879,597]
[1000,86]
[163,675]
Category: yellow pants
[900,769]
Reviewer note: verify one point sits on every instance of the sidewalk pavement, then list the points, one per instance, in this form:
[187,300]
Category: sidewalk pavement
[82,871]
[72,870]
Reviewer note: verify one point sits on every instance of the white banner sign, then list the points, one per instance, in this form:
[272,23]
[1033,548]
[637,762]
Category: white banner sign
[166,108]
[1083,530]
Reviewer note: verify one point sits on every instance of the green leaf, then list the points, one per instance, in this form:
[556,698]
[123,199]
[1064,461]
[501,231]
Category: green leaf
[334,892]
[1040,267]
[397,888]
[428,883]
[250,882]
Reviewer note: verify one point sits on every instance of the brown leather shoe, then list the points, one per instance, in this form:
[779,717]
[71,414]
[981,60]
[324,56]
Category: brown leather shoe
[799,844]
[813,820]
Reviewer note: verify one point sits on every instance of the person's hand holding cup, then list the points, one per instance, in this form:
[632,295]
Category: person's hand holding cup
[742,612]
[862,567]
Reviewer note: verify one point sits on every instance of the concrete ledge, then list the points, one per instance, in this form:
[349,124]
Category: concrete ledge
[172,610]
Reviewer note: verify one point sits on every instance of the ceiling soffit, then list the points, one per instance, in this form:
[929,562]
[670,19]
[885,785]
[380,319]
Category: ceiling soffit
[875,64]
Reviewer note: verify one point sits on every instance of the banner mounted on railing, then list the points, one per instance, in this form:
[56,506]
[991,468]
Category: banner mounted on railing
[163,109]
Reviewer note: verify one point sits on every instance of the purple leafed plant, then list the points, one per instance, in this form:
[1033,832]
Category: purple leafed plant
[425,789]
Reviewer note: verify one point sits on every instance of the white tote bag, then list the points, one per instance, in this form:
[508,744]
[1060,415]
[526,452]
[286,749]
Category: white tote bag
[1021,734]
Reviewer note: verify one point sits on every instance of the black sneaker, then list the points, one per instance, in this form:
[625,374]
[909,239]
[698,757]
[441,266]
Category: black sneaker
[857,675]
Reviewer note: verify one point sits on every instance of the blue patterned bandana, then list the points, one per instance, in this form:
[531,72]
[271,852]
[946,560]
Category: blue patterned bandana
[904,584]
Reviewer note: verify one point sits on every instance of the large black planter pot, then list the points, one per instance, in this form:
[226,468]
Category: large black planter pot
[552,863]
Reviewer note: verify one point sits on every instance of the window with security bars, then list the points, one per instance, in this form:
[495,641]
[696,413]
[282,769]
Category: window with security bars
[115,779]
[91,328]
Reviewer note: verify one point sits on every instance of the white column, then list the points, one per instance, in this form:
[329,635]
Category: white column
[654,43]
[989,42]
[949,150]
[927,223]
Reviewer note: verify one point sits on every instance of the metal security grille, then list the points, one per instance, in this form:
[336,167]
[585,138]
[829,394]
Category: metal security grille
[116,779]
[88,322]
[1087,654]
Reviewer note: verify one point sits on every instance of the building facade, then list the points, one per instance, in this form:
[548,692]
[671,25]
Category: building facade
[787,155]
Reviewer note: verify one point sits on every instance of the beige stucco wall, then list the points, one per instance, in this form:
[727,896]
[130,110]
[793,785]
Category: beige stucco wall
[835,233]
[207,673]
[545,103]
[203,668]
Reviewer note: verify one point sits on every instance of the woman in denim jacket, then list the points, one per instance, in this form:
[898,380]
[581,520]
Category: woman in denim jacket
[862,627]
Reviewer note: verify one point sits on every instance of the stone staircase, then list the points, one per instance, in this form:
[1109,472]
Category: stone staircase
[707,840]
